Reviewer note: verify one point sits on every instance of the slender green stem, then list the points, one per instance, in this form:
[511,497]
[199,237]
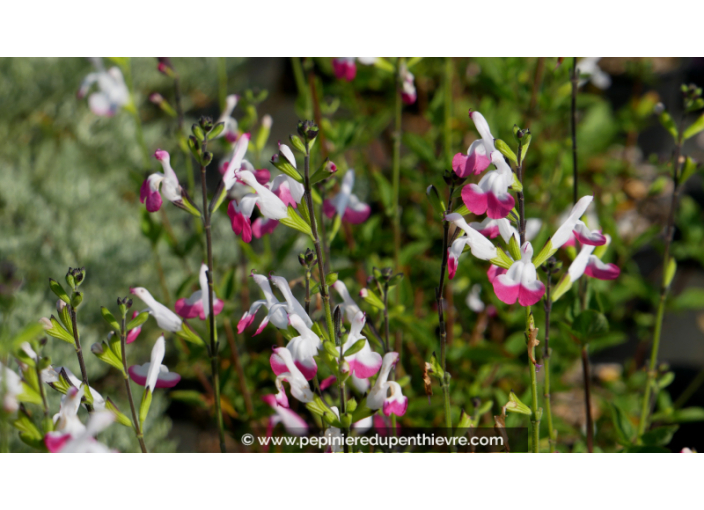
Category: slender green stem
[650,386]
[45,405]
[214,345]
[324,294]
[134,111]
[79,351]
[547,352]
[135,417]
[535,418]
[573,109]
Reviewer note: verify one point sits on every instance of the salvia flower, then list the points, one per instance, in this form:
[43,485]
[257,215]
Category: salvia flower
[296,189]
[348,305]
[590,66]
[98,400]
[300,389]
[491,195]
[385,394]
[302,349]
[234,163]
[474,301]
[230,131]
[133,333]
[292,305]
[345,68]
[408,86]
[269,204]
[346,204]
[493,228]
[11,382]
[165,318]
[112,93]
[480,246]
[334,435]
[153,374]
[573,225]
[292,422]
[520,281]
[198,305]
[158,183]
[592,266]
[364,363]
[478,156]
[240,214]
[277,316]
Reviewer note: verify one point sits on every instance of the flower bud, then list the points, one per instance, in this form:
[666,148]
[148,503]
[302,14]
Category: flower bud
[308,130]
[97,348]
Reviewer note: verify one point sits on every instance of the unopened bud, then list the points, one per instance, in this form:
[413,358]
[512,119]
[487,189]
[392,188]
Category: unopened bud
[659,109]
[308,129]
[97,349]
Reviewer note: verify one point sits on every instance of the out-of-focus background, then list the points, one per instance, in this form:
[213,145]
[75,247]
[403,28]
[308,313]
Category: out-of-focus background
[69,196]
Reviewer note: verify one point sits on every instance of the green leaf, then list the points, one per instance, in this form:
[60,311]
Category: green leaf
[670,271]
[217,129]
[29,395]
[660,436]
[544,254]
[330,278]
[504,149]
[356,347]
[25,425]
[59,291]
[666,120]
[688,170]
[187,333]
[562,287]
[623,426]
[694,128]
[362,411]
[516,185]
[369,297]
[514,405]
[502,260]
[144,406]
[514,249]
[58,331]
[190,397]
[110,319]
[462,210]
[119,417]
[138,321]
[280,162]
[331,349]
[590,324]
[294,221]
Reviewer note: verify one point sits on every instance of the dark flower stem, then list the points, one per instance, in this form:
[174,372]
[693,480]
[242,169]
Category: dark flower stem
[135,417]
[79,351]
[582,290]
[214,345]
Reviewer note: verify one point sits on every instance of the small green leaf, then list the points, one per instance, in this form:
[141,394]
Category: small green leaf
[54,329]
[362,411]
[502,260]
[623,426]
[562,287]
[110,319]
[280,162]
[544,254]
[368,296]
[297,144]
[514,249]
[330,278]
[138,321]
[462,210]
[514,405]
[666,120]
[504,149]
[144,406]
[688,170]
[119,417]
[294,221]
[694,128]
[217,129]
[331,349]
[590,324]
[59,291]
[670,272]
[516,185]
[660,436]
[356,347]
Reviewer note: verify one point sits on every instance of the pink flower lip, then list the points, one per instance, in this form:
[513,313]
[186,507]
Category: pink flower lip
[161,155]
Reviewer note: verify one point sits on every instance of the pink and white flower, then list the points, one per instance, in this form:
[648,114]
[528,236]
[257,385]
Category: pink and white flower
[491,195]
[480,246]
[271,206]
[385,394]
[573,225]
[592,266]
[12,384]
[165,318]
[478,156]
[98,400]
[85,442]
[408,86]
[230,130]
[112,93]
[234,163]
[292,422]
[334,435]
[292,306]
[345,68]
[520,281]
[300,389]
[348,305]
[240,216]
[133,333]
[277,316]
[153,374]
[364,363]
[493,228]
[303,348]
[166,182]
[198,305]
[69,434]
[345,204]
[295,188]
